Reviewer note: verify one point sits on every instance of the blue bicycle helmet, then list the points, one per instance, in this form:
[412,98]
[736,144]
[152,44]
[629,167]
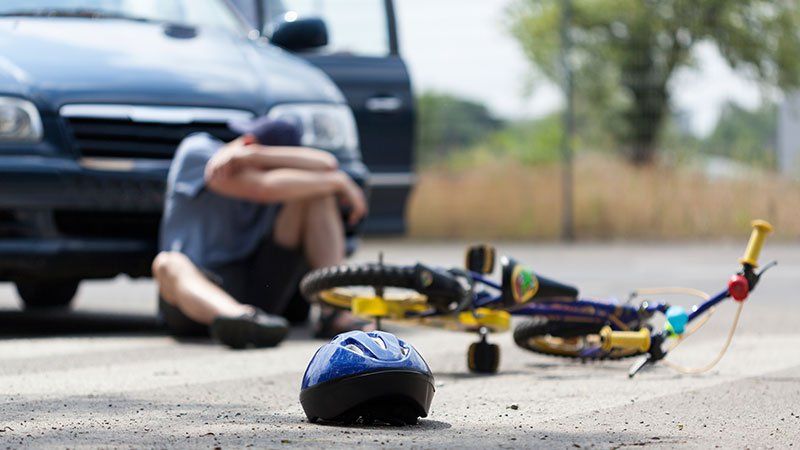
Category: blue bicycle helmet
[367,378]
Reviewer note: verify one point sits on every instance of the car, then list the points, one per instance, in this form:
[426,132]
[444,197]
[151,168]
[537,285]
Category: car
[95,97]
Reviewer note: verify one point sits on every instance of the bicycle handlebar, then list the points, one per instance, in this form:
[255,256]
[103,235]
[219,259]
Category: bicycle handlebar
[646,342]
[761,229]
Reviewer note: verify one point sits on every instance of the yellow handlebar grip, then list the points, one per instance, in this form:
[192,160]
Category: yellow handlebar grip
[628,340]
[761,229]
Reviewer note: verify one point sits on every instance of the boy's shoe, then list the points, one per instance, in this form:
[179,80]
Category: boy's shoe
[257,330]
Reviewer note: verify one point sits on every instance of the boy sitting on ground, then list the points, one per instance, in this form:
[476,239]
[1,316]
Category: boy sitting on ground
[243,222]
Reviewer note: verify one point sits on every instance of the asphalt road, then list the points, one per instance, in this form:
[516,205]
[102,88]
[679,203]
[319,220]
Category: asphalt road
[106,376]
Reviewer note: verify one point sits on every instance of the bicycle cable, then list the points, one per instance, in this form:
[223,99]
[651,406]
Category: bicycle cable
[672,290]
[720,355]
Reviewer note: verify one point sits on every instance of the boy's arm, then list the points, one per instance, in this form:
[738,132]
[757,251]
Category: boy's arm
[290,157]
[236,156]
[288,184]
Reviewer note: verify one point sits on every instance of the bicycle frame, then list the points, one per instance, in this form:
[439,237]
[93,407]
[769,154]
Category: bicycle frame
[620,316]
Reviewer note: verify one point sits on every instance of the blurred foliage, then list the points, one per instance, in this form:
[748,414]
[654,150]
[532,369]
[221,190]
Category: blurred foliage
[463,133]
[446,123]
[626,51]
[530,142]
[747,136]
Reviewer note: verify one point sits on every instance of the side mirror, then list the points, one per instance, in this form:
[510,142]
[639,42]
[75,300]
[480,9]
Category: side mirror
[300,34]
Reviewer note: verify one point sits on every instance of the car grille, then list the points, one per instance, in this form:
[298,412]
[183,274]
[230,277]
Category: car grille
[121,138]
[10,226]
[97,224]
[139,131]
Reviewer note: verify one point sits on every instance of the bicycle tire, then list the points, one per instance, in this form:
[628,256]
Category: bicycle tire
[385,276]
[356,275]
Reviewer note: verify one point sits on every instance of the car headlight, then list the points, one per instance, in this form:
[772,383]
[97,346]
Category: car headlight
[19,121]
[324,126]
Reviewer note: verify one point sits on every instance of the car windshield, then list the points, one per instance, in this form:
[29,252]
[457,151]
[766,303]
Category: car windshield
[215,13]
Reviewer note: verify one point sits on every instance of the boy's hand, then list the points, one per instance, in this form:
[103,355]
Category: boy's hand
[350,194]
[226,162]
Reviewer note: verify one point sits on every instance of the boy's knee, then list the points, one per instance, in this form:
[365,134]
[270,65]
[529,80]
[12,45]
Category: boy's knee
[323,205]
[290,224]
[167,265]
[167,270]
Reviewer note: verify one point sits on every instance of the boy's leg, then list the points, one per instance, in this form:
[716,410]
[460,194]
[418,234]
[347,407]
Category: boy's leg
[197,299]
[323,238]
[290,225]
[315,225]
[182,285]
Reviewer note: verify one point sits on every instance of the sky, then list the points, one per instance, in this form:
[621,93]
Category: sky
[462,47]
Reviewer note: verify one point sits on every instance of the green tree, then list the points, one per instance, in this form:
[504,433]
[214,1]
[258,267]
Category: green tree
[625,52]
[747,136]
[446,123]
[530,141]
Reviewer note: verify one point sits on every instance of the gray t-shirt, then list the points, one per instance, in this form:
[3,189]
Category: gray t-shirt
[210,229]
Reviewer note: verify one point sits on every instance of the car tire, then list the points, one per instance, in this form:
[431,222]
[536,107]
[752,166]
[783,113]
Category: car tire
[47,294]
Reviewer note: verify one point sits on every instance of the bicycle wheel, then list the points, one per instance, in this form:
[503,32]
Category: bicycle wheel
[565,339]
[416,287]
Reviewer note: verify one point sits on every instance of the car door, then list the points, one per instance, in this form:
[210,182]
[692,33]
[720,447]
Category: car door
[363,58]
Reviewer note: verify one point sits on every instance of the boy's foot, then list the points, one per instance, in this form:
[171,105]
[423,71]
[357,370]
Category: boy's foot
[256,329]
[333,322]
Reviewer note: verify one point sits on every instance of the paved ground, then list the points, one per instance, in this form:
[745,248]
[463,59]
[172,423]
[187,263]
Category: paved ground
[121,383]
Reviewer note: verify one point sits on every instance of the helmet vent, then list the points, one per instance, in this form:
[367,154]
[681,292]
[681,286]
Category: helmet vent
[358,348]
[355,349]
[380,342]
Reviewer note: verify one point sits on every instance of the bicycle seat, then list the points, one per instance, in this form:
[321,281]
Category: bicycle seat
[521,285]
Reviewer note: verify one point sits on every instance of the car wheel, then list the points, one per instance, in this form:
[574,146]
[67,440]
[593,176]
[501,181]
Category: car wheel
[47,294]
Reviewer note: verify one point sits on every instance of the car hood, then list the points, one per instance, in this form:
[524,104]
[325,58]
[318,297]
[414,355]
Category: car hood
[58,61]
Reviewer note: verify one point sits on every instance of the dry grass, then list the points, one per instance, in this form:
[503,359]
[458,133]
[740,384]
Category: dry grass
[612,201]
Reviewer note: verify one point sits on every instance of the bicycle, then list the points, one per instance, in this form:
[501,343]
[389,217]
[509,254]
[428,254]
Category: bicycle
[559,322]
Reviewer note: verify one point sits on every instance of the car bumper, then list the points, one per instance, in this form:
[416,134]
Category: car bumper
[85,219]
[37,258]
[35,182]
